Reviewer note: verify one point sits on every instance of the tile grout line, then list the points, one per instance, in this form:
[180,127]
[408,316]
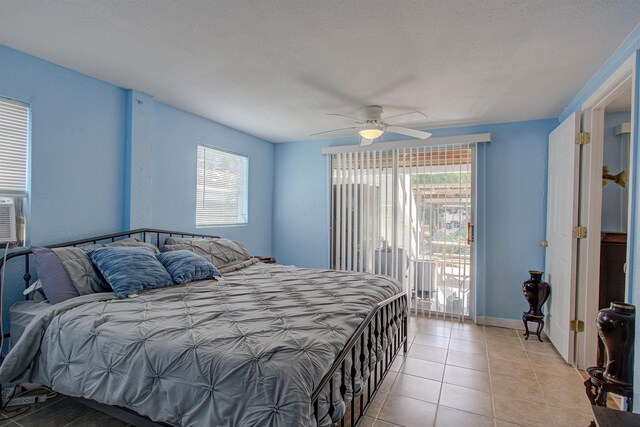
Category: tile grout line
[544,397]
[492,342]
[444,370]
[404,356]
[550,407]
[493,403]
[496,419]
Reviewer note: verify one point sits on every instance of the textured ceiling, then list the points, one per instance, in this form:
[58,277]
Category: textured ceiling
[274,68]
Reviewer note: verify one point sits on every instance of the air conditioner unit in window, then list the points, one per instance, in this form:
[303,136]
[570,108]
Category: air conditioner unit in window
[7,220]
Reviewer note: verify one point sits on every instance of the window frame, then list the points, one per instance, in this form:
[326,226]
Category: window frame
[239,192]
[24,194]
[22,198]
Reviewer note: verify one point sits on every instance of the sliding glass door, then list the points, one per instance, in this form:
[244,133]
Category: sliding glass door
[407,213]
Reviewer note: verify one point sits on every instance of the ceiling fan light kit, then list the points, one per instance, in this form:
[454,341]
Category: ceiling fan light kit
[371,132]
[371,125]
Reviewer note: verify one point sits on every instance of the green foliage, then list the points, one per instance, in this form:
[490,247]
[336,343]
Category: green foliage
[442,178]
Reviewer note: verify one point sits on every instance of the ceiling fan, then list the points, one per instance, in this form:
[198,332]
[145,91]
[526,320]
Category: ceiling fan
[371,125]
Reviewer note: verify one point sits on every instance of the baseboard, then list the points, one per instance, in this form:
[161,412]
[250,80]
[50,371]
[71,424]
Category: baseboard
[500,322]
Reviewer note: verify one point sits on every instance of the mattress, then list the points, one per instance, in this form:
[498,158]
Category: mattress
[246,350]
[21,314]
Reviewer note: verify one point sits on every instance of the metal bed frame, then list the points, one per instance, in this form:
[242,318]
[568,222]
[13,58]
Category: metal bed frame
[377,327]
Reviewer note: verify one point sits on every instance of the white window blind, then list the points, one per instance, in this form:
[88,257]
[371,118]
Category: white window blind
[222,194]
[14,143]
[406,212]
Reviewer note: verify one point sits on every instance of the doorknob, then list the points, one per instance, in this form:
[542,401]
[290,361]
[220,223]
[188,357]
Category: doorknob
[544,244]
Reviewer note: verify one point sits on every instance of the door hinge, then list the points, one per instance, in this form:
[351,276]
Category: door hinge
[576,326]
[583,138]
[580,232]
[544,244]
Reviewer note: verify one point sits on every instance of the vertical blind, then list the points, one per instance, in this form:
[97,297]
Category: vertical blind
[222,187]
[406,213]
[14,144]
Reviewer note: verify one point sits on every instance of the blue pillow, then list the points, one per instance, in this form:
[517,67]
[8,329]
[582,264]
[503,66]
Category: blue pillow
[185,266]
[130,270]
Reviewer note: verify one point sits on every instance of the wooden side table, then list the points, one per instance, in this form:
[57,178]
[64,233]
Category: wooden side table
[526,318]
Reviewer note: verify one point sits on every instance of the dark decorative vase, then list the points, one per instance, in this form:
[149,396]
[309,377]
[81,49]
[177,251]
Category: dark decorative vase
[536,292]
[616,327]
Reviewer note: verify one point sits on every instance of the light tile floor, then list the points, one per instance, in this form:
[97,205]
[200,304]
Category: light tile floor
[461,374]
[454,374]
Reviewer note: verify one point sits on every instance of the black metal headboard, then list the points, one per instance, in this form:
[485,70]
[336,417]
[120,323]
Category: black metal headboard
[149,235]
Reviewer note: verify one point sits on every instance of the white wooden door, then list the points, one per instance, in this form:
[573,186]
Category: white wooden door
[562,217]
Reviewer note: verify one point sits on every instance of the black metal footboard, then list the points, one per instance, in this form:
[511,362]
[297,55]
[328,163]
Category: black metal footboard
[362,347]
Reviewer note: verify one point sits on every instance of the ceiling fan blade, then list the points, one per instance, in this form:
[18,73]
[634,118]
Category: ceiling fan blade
[396,119]
[365,141]
[345,117]
[409,132]
[334,130]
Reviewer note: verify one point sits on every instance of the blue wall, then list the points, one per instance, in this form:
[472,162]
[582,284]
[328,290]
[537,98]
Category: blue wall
[90,170]
[77,147]
[301,204]
[77,154]
[514,196]
[177,135]
[83,131]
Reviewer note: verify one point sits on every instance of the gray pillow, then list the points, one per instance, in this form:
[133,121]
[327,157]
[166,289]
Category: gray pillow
[187,240]
[56,283]
[128,242]
[238,265]
[85,276]
[219,252]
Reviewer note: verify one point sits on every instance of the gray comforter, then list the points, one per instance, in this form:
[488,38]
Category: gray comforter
[248,350]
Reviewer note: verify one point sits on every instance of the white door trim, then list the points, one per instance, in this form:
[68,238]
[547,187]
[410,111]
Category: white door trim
[588,284]
[613,81]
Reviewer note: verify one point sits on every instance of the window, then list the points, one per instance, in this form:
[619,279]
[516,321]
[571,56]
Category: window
[222,188]
[14,143]
[406,213]
[14,146]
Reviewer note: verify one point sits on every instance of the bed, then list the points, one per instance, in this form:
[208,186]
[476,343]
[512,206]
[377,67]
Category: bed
[265,345]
